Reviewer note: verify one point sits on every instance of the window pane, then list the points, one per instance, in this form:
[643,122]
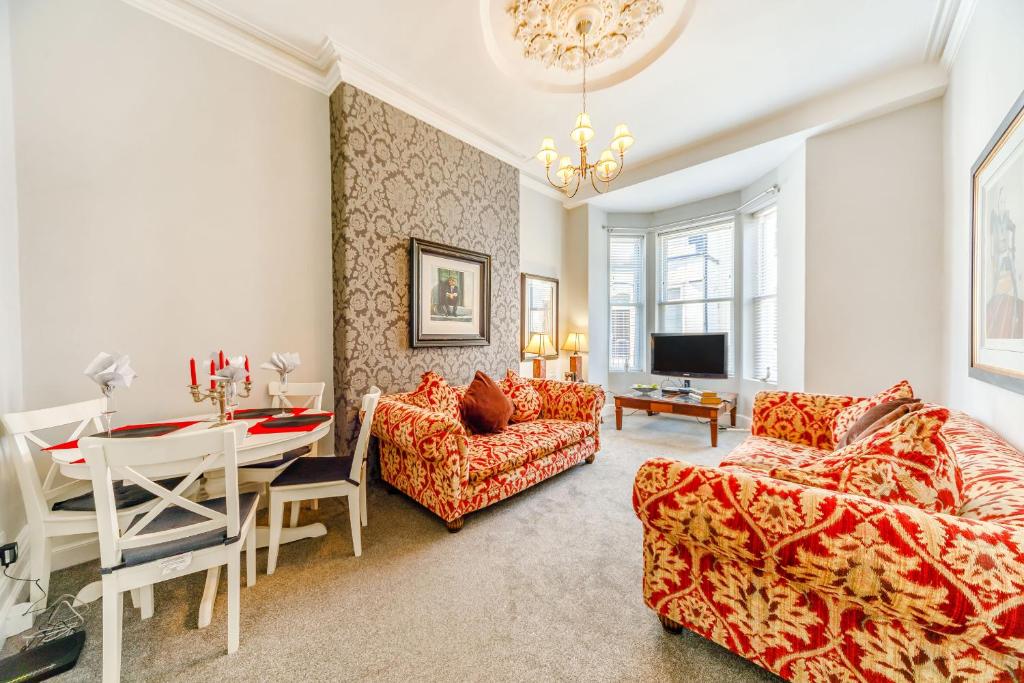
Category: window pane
[765,306]
[766,272]
[625,293]
[697,264]
[766,339]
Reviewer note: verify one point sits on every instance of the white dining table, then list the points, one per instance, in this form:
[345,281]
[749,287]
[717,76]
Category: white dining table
[255,448]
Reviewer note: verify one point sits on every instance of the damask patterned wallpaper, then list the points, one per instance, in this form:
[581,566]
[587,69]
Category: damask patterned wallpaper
[395,177]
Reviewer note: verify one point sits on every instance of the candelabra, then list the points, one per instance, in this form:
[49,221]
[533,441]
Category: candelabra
[222,396]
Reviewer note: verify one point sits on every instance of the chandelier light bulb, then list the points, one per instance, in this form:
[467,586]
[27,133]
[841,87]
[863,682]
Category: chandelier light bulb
[547,153]
[607,165]
[565,170]
[623,139]
[583,132]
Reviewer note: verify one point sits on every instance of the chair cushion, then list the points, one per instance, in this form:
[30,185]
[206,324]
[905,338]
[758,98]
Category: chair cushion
[315,471]
[524,397]
[907,463]
[125,496]
[280,462]
[845,418]
[175,518]
[522,442]
[436,395]
[485,407]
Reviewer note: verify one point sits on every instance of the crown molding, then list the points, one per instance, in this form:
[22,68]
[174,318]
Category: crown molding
[957,31]
[205,20]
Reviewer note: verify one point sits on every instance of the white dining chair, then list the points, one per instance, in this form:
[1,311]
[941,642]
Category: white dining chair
[54,509]
[309,395]
[325,477]
[177,536]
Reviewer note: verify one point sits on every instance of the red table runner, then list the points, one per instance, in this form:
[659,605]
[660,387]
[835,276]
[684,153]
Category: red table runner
[175,425]
[297,423]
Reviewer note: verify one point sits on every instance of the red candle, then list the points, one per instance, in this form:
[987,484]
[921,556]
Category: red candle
[213,382]
[222,358]
[247,369]
[192,369]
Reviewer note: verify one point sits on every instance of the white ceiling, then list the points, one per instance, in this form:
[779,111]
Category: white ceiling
[712,178]
[736,64]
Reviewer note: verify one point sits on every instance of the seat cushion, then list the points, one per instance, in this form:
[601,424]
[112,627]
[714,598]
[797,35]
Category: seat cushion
[175,518]
[525,398]
[907,463]
[485,407]
[762,453]
[846,417]
[280,462]
[522,442]
[125,496]
[315,471]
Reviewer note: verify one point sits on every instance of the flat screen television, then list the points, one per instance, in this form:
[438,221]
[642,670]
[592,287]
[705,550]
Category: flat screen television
[690,355]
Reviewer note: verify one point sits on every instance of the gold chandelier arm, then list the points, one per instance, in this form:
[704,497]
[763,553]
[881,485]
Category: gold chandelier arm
[576,189]
[547,174]
[593,183]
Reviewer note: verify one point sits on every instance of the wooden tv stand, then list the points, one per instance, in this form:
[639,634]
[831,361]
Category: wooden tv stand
[678,404]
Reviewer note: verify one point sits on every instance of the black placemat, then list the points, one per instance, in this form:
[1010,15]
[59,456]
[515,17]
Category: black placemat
[295,421]
[253,413]
[136,432]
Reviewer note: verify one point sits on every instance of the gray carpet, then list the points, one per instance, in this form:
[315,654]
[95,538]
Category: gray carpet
[543,586]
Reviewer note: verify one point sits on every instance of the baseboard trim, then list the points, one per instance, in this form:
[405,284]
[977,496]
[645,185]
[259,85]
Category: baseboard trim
[11,591]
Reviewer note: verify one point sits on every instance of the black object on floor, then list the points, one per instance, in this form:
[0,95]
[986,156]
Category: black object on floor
[43,661]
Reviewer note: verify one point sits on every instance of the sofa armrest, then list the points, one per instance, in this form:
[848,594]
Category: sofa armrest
[948,574]
[797,417]
[412,429]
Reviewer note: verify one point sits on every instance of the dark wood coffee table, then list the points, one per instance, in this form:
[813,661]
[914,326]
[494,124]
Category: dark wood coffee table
[678,404]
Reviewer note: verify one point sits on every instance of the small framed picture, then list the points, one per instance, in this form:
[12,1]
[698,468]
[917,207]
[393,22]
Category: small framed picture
[449,296]
[997,269]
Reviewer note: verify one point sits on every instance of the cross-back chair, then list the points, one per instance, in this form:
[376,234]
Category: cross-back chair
[177,536]
[56,507]
[325,477]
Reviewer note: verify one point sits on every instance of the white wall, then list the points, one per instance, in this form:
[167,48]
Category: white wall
[591,221]
[174,198]
[986,78]
[12,514]
[541,228]
[874,257]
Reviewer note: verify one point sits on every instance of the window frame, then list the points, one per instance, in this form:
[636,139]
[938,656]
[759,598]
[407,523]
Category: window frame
[640,306]
[757,297]
[661,304]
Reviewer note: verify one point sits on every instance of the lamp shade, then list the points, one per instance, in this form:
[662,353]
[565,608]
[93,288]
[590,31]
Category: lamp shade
[540,345]
[547,152]
[575,342]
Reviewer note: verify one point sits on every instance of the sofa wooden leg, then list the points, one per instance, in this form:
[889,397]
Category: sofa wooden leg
[455,525]
[669,625]
[590,458]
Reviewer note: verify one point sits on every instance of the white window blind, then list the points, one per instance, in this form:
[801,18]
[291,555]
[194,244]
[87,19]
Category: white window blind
[626,299]
[765,304]
[696,280]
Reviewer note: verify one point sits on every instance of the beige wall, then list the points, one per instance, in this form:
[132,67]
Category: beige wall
[174,198]
[986,79]
[541,228]
[12,515]
[874,254]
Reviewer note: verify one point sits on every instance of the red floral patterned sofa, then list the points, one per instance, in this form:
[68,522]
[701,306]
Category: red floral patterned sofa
[817,585]
[432,457]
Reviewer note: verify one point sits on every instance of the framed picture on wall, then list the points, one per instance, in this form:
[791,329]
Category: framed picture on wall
[997,267]
[538,311]
[449,296]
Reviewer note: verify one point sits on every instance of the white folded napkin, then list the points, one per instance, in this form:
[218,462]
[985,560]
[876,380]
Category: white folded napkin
[234,371]
[283,363]
[110,370]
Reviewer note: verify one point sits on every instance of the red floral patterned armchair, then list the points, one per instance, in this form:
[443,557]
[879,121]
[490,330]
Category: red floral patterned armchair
[434,459]
[820,585]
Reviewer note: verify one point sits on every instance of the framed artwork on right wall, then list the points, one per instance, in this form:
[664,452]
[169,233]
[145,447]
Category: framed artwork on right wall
[997,264]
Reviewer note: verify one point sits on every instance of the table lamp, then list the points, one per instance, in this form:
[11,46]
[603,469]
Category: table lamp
[576,342]
[539,346]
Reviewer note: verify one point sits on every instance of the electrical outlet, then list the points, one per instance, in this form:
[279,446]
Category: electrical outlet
[8,554]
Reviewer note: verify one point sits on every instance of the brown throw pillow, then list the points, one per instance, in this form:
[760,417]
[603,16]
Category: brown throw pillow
[485,407]
[879,417]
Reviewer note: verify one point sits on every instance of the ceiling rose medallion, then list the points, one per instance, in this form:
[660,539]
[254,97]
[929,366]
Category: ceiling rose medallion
[601,30]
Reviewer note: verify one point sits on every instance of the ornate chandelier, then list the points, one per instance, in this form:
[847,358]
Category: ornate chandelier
[607,168]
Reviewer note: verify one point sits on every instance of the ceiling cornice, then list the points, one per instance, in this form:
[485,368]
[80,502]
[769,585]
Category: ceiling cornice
[957,31]
[947,31]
